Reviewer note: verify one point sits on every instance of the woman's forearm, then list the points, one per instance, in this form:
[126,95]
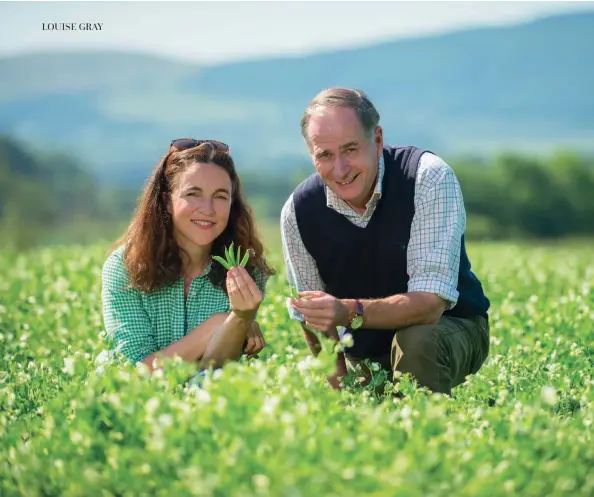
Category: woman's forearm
[227,341]
[192,346]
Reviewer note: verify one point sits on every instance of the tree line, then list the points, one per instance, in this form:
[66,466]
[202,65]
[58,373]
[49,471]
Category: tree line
[49,198]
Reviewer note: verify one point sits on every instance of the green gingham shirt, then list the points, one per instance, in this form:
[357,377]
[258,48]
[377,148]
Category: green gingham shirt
[140,324]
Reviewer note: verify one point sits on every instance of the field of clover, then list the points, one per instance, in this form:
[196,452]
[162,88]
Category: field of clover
[271,426]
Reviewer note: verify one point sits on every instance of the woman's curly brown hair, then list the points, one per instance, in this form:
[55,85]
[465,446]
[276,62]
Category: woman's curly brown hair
[152,255]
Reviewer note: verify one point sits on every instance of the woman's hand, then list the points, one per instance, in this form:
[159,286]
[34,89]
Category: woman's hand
[255,341]
[244,296]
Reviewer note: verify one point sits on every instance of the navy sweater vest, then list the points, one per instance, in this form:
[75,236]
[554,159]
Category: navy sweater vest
[371,262]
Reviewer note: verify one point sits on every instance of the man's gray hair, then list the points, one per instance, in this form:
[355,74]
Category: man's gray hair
[343,97]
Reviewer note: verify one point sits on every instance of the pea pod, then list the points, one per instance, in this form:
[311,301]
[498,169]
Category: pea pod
[222,261]
[295,294]
[231,258]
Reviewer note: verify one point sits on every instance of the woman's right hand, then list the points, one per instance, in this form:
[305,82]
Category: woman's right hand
[244,296]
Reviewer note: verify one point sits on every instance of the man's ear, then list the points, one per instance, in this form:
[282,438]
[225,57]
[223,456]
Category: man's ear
[379,137]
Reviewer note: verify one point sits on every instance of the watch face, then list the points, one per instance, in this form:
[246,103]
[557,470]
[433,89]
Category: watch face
[356,322]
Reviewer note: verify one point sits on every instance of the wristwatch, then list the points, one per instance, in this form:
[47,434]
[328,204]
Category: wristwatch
[357,320]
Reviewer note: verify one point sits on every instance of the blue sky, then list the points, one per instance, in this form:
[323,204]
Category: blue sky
[211,32]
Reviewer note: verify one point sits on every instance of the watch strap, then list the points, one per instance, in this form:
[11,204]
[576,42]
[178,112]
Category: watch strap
[358,312]
[358,308]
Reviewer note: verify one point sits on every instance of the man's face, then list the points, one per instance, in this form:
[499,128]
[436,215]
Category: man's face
[346,159]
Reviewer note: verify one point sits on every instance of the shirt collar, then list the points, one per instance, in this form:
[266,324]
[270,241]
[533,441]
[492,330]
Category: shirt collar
[334,201]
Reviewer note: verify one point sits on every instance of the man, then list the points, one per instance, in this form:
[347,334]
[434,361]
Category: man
[376,239]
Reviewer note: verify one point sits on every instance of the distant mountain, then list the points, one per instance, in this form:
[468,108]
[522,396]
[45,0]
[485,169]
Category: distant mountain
[523,87]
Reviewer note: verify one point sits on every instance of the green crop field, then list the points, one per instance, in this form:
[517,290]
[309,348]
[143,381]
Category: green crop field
[271,426]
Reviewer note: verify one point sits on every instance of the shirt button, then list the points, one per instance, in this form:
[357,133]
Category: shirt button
[193,294]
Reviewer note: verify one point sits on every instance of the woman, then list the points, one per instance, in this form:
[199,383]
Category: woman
[163,294]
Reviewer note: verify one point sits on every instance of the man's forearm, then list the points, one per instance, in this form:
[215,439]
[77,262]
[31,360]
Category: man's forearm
[315,347]
[312,341]
[399,311]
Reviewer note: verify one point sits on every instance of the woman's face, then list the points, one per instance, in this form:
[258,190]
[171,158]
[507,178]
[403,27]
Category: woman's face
[200,205]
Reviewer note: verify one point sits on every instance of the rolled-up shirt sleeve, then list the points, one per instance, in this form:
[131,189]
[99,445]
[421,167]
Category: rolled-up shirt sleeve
[301,269]
[436,231]
[126,321]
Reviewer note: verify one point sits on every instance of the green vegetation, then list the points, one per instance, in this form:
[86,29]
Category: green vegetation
[272,426]
[51,199]
[231,258]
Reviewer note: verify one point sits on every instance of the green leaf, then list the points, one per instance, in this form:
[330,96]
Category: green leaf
[238,256]
[245,258]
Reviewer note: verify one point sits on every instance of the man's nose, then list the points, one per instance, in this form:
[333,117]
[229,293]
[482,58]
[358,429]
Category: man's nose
[341,168]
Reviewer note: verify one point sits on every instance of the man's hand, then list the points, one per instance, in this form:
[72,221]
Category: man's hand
[322,312]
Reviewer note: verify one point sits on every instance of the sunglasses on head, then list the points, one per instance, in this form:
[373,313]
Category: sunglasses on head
[186,143]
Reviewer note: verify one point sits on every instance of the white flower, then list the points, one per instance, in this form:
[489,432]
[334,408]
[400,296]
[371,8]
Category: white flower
[348,473]
[270,404]
[151,405]
[68,365]
[261,481]
[114,400]
[76,437]
[221,405]
[165,420]
[548,395]
[202,395]
[91,475]
[347,339]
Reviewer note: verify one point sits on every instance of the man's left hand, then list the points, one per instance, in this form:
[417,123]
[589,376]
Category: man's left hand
[322,312]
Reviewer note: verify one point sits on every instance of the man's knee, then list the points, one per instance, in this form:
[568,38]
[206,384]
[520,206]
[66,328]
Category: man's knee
[416,350]
[414,342]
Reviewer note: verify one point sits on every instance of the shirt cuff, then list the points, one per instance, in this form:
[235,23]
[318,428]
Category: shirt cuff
[439,287]
[292,312]
[136,356]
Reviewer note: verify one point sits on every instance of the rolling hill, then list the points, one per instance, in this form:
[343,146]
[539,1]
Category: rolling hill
[523,87]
